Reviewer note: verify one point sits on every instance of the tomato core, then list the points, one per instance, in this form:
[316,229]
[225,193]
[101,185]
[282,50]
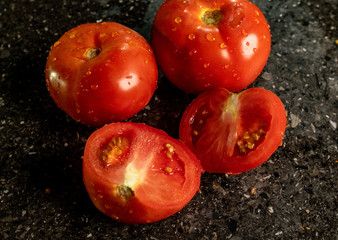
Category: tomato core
[212,17]
[92,52]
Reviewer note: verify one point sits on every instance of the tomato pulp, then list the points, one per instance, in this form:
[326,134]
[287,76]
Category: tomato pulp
[135,173]
[232,133]
[205,44]
[101,72]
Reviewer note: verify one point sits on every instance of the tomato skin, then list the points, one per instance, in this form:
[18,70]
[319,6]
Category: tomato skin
[232,133]
[195,56]
[158,192]
[112,86]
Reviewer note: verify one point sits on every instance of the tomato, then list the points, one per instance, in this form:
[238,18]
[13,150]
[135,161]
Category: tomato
[232,133]
[202,44]
[101,72]
[135,173]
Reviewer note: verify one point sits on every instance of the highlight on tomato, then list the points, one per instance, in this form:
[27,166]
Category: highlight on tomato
[135,173]
[232,133]
[101,72]
[204,44]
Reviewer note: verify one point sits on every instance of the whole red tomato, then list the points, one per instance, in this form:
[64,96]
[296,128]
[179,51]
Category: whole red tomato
[202,44]
[101,72]
[232,133]
[135,173]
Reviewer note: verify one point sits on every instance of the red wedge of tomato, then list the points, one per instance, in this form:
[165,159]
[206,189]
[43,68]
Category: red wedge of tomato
[232,133]
[135,173]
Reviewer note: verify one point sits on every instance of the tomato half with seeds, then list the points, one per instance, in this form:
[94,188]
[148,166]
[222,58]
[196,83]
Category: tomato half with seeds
[232,133]
[205,44]
[135,173]
[101,72]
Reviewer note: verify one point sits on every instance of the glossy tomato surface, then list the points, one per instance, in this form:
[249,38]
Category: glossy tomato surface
[101,72]
[135,173]
[232,133]
[205,44]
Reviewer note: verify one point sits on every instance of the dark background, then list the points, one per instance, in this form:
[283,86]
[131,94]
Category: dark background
[291,196]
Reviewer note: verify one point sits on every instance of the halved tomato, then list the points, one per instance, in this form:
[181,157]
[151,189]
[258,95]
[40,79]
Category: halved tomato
[232,133]
[135,173]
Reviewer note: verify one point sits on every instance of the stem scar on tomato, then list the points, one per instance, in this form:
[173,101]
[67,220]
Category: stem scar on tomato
[92,52]
[125,192]
[211,17]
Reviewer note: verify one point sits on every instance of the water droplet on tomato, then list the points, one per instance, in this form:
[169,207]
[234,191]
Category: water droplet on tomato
[206,65]
[222,45]
[192,52]
[146,61]
[94,86]
[226,66]
[72,36]
[129,77]
[56,43]
[114,34]
[210,37]
[102,35]
[254,49]
[257,12]
[174,29]
[244,33]
[191,36]
[247,43]
[88,72]
[257,21]
[178,20]
[90,112]
[54,59]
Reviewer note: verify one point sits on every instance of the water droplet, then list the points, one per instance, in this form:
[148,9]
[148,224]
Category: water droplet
[94,86]
[129,77]
[90,112]
[146,61]
[257,12]
[56,43]
[206,65]
[77,110]
[102,35]
[247,43]
[72,36]
[226,66]
[254,49]
[210,37]
[88,72]
[54,59]
[174,29]
[264,37]
[257,21]
[178,20]
[107,63]
[234,75]
[192,52]
[128,31]
[222,45]
[244,33]
[114,34]
[191,36]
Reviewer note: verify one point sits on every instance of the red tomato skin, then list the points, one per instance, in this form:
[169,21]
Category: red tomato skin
[254,103]
[196,57]
[101,181]
[113,86]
